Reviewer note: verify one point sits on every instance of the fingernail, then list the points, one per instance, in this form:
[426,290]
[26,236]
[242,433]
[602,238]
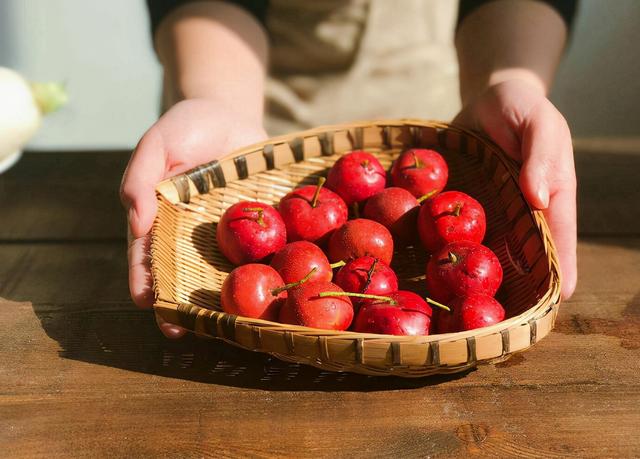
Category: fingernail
[170,330]
[543,197]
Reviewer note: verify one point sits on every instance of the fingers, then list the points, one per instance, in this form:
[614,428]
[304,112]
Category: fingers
[561,217]
[529,128]
[170,331]
[546,153]
[140,279]
[548,181]
[141,284]
[137,192]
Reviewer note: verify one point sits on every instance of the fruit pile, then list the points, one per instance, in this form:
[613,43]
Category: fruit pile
[310,235]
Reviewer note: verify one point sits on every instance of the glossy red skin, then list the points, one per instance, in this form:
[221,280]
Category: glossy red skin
[356,176]
[431,176]
[469,313]
[411,316]
[352,277]
[438,226]
[308,223]
[359,238]
[242,240]
[396,209]
[305,307]
[296,259]
[477,270]
[247,292]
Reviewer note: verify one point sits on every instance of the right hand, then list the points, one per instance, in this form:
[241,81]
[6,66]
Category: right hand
[191,133]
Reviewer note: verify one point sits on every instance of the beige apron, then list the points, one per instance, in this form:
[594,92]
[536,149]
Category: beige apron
[334,61]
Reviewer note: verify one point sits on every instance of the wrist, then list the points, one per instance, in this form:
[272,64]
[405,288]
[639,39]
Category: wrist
[472,90]
[248,105]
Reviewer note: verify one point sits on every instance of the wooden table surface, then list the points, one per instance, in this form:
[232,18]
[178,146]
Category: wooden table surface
[84,373]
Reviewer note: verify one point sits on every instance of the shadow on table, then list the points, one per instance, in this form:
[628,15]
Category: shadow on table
[119,336]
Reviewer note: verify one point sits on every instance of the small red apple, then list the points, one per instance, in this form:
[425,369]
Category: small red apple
[421,171]
[396,209]
[253,291]
[359,238]
[249,232]
[312,213]
[366,275]
[463,268]
[470,312]
[306,307]
[448,217]
[296,259]
[407,314]
[356,176]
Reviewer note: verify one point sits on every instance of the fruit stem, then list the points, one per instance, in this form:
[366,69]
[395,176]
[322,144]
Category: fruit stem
[260,210]
[451,258]
[314,201]
[359,295]
[279,290]
[337,264]
[456,211]
[416,160]
[440,305]
[49,97]
[370,275]
[424,197]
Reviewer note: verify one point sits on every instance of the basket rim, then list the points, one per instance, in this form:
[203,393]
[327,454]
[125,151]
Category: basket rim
[546,304]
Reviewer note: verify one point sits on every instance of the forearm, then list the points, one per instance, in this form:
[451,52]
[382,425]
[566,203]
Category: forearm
[505,40]
[213,50]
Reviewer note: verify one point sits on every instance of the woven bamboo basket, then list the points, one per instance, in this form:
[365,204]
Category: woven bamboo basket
[188,269]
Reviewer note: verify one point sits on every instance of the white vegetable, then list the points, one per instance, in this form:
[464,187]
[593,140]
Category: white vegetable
[22,105]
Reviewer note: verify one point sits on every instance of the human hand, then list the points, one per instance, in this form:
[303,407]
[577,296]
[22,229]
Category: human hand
[518,117]
[192,132]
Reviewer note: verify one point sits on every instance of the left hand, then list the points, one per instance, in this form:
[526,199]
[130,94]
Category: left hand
[518,117]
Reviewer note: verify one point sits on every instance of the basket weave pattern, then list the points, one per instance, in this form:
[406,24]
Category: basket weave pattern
[189,270]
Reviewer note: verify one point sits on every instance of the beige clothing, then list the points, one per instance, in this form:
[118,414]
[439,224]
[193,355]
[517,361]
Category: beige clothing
[335,61]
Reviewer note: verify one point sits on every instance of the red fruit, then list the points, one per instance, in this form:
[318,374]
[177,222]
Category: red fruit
[356,176]
[305,307]
[312,219]
[247,291]
[420,171]
[463,268]
[410,316]
[448,217]
[250,231]
[469,313]
[358,276]
[396,209]
[296,259]
[359,238]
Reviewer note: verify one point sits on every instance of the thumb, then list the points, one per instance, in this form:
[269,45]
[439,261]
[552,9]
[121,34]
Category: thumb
[545,141]
[146,168]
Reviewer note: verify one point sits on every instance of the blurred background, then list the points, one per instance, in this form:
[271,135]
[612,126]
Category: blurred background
[103,52]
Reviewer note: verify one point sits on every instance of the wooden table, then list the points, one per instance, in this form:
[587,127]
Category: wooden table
[84,373]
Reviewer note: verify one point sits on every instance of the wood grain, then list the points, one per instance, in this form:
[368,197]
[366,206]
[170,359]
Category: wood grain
[68,196]
[87,373]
